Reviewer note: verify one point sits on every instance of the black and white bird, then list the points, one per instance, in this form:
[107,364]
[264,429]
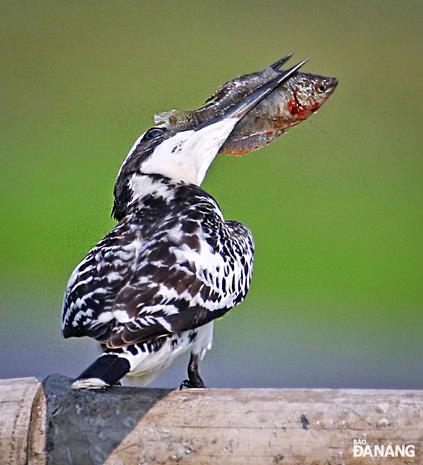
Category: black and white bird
[150,290]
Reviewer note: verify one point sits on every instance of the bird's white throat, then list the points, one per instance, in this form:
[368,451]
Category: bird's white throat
[187,155]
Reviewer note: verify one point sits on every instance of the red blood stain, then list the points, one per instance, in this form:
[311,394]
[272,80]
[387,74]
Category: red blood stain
[292,106]
[315,107]
[237,153]
[303,113]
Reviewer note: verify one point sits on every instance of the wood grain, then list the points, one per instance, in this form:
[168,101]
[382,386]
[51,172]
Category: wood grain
[16,397]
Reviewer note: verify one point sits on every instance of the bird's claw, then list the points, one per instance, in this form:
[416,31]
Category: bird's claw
[188,384]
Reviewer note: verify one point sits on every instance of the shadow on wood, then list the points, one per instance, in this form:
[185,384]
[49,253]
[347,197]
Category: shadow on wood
[85,427]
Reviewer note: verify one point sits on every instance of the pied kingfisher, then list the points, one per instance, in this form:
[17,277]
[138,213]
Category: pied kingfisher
[150,290]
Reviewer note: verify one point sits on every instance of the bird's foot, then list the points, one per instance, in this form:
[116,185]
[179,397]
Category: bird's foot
[190,384]
[194,379]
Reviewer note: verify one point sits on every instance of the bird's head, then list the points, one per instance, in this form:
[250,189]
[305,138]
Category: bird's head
[185,151]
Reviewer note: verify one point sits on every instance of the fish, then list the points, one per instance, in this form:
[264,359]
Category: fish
[294,101]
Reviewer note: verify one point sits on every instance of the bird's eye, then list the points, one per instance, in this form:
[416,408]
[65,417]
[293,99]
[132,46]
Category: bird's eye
[154,133]
[320,88]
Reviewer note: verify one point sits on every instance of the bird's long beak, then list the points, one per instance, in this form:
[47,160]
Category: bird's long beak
[277,64]
[246,103]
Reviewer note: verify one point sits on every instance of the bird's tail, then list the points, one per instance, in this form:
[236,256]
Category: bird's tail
[106,371]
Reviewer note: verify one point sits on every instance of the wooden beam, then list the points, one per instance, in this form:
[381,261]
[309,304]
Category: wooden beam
[16,397]
[130,426]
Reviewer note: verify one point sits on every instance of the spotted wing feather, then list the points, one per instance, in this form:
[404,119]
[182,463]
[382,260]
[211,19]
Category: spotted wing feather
[182,284]
[173,264]
[93,286]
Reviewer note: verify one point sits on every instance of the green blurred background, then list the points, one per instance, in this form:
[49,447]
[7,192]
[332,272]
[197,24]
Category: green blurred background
[335,205]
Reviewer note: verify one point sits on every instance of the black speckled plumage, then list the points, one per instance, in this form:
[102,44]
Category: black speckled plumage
[171,265]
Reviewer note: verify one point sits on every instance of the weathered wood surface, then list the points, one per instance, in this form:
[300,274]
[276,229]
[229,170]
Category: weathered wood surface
[16,398]
[128,426]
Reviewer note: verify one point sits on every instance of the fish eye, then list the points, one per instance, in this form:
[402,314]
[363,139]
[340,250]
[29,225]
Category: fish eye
[320,88]
[154,133]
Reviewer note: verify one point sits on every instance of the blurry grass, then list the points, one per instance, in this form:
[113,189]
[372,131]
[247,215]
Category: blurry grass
[335,206]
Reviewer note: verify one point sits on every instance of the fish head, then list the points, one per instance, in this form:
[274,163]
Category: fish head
[294,101]
[306,93]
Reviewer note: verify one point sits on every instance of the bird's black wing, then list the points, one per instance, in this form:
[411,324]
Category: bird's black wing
[191,276]
[94,284]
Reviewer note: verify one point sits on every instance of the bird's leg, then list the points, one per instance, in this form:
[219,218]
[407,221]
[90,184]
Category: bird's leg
[193,374]
[194,379]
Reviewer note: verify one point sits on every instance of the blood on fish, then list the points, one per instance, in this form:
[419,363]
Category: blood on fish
[293,106]
[315,107]
[303,113]
[237,153]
